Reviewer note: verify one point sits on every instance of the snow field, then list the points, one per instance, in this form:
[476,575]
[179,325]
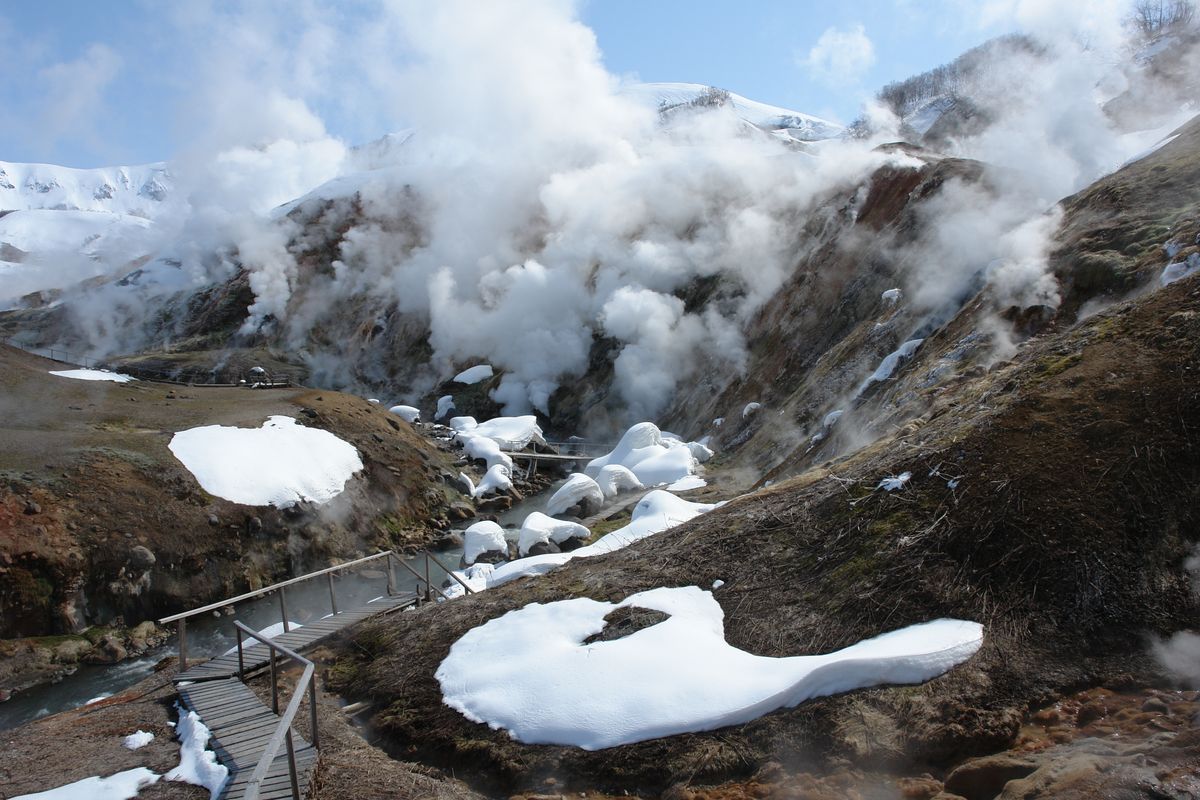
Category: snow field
[528,671]
[279,464]
[92,375]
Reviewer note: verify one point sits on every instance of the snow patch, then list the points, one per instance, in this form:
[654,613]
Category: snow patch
[409,414]
[475,374]
[670,678]
[92,375]
[1180,270]
[279,464]
[890,362]
[894,482]
[121,786]
[750,409]
[197,765]
[687,484]
[444,406]
[138,739]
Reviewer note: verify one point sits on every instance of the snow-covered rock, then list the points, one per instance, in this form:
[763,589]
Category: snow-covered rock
[461,424]
[475,374]
[497,480]
[654,513]
[483,537]
[484,449]
[615,478]
[891,296]
[511,433]
[677,676]
[688,484]
[407,413]
[652,459]
[279,464]
[750,409]
[579,488]
[445,405]
[539,527]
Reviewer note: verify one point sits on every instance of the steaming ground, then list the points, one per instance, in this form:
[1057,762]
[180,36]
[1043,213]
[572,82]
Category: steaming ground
[588,211]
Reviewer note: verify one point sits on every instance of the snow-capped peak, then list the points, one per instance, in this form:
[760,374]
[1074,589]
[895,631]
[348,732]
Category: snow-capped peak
[795,124]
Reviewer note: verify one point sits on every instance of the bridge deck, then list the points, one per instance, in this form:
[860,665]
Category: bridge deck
[241,726]
[256,656]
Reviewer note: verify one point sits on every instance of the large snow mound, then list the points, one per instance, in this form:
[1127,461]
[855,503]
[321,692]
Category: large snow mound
[538,527]
[92,375]
[279,464]
[579,488]
[481,538]
[529,672]
[511,433]
[615,478]
[651,458]
[656,512]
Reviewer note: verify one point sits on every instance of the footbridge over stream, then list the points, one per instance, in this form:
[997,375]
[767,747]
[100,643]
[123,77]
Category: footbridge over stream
[266,758]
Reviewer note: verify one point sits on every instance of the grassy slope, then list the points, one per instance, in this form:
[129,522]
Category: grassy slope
[94,457]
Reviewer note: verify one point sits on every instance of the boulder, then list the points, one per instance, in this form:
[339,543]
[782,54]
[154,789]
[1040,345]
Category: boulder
[984,778]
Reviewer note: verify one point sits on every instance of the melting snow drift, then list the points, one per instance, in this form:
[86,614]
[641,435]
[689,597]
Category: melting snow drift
[530,673]
[92,375]
[278,464]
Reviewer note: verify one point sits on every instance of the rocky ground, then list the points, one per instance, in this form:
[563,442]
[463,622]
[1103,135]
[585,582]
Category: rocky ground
[77,744]
[1071,514]
[102,528]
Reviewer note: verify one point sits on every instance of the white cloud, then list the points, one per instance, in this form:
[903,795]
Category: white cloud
[841,56]
[73,96]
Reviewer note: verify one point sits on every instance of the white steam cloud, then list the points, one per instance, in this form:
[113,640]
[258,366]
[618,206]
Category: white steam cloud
[530,209]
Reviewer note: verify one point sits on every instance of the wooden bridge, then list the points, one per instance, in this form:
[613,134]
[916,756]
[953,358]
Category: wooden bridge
[266,759]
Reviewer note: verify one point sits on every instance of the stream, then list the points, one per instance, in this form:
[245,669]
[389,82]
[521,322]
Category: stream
[213,635]
[210,636]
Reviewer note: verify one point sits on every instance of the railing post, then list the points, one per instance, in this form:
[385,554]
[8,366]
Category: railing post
[241,662]
[274,683]
[391,575]
[182,628]
[332,593]
[283,609]
[428,583]
[312,705]
[292,765]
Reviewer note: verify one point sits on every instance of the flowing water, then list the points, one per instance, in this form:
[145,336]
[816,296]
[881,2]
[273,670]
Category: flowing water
[211,635]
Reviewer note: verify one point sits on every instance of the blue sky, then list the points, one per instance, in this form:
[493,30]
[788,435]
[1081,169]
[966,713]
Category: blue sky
[88,83]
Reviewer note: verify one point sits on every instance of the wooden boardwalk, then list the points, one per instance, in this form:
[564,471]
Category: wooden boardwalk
[256,656]
[241,726]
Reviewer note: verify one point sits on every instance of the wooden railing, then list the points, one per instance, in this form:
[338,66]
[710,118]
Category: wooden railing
[392,558]
[283,730]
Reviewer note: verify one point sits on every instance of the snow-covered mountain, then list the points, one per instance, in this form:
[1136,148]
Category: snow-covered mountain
[59,225]
[139,190]
[795,125]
